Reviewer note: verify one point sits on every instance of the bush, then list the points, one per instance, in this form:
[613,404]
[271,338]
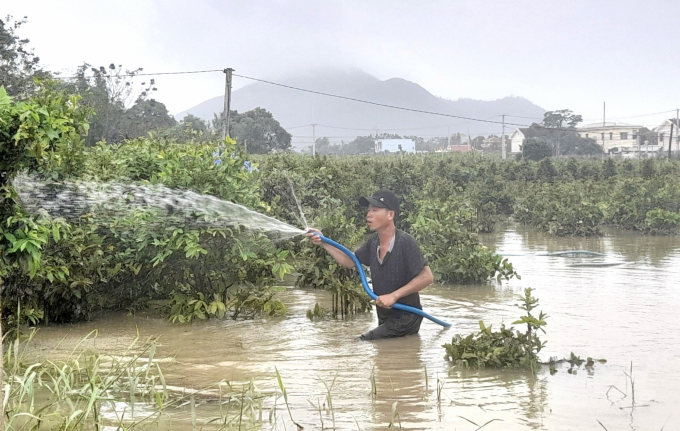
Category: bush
[503,349]
[446,234]
[561,209]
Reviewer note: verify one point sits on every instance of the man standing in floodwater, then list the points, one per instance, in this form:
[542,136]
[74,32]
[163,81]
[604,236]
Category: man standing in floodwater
[398,269]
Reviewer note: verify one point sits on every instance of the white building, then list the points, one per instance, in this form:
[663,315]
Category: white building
[395,146]
[520,134]
[641,152]
[611,135]
[517,139]
[663,131]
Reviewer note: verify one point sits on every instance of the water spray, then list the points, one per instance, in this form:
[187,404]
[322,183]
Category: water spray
[368,290]
[110,200]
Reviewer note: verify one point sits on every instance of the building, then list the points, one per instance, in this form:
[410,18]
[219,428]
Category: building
[458,148]
[395,146]
[521,133]
[663,131]
[612,136]
[494,142]
[641,152]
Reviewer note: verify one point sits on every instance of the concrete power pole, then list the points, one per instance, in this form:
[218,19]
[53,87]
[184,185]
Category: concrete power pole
[670,141]
[313,140]
[604,114]
[504,151]
[677,129]
[227,101]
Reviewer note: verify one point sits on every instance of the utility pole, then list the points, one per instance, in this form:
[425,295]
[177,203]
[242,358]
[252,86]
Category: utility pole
[604,112]
[227,102]
[504,151]
[677,127]
[639,142]
[313,140]
[670,141]
[469,140]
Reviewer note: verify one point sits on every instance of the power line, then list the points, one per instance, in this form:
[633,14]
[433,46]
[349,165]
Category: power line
[146,74]
[635,116]
[357,100]
[321,93]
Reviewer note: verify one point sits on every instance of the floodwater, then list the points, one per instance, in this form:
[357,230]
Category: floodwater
[625,312]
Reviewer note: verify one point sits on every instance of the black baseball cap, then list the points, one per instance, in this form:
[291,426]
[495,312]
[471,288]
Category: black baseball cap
[381,199]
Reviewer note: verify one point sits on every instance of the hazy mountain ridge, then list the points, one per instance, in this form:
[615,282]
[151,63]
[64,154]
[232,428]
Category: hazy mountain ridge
[296,108]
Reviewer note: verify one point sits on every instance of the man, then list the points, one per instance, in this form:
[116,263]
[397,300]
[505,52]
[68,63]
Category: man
[398,269]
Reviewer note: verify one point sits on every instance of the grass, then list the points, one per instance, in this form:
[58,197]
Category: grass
[71,394]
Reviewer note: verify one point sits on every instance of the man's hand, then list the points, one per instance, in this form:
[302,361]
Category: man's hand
[314,238]
[386,301]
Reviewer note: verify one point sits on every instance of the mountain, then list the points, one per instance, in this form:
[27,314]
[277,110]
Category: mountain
[348,119]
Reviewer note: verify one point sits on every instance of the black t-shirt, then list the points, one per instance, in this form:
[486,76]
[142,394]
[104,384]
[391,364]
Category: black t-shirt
[399,267]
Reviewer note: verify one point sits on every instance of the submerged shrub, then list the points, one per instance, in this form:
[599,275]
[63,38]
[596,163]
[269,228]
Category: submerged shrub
[506,348]
[445,232]
[561,209]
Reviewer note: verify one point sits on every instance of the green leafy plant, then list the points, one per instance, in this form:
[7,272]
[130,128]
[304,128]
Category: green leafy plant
[506,348]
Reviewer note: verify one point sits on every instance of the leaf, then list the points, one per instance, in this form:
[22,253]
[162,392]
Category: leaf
[55,232]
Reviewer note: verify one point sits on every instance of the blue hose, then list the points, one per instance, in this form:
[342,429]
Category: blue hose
[368,290]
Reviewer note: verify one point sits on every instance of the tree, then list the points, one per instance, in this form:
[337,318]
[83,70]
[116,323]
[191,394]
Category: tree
[362,145]
[573,145]
[609,168]
[109,92]
[190,129]
[546,170]
[19,66]
[256,130]
[648,137]
[196,124]
[145,116]
[323,146]
[478,141]
[557,119]
[536,149]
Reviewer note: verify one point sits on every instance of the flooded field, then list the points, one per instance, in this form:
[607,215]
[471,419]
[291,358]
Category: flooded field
[621,306]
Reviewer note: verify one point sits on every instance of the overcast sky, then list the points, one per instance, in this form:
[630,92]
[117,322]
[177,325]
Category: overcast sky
[559,54]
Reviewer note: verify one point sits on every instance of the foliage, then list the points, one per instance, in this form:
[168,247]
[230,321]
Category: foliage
[242,302]
[570,144]
[68,269]
[257,130]
[651,206]
[146,116]
[318,312]
[119,108]
[536,149]
[560,118]
[561,209]
[505,348]
[39,133]
[319,270]
[19,66]
[446,234]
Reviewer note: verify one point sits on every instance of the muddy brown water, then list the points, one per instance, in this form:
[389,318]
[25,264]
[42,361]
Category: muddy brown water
[626,313]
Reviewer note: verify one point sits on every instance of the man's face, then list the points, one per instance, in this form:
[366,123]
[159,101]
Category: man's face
[378,218]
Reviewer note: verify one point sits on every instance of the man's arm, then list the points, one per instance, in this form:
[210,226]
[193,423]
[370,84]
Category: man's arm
[419,282]
[338,255]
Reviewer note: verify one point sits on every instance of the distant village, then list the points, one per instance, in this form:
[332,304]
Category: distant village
[616,139]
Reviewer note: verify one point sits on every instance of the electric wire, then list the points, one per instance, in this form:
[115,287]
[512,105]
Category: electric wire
[468,119]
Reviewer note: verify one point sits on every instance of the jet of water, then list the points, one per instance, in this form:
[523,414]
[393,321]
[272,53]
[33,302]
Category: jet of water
[107,200]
